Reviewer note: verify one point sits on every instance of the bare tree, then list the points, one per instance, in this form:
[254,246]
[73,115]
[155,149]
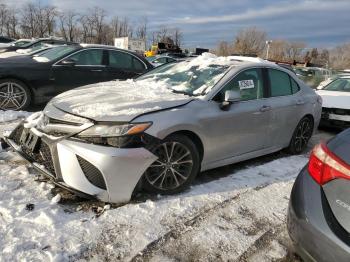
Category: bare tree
[68,25]
[28,21]
[177,36]
[250,41]
[340,57]
[224,49]
[141,30]
[3,18]
[294,50]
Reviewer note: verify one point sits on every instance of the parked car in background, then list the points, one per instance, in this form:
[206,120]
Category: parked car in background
[336,103]
[27,80]
[32,44]
[18,42]
[319,207]
[160,60]
[335,75]
[164,59]
[5,39]
[158,131]
[29,51]
[312,76]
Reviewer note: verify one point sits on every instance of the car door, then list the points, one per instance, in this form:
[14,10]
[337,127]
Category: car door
[286,103]
[82,68]
[242,128]
[123,65]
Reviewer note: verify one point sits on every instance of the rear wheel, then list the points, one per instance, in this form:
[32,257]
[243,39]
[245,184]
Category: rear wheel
[176,167]
[14,95]
[301,136]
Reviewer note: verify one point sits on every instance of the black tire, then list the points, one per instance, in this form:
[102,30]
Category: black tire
[14,95]
[301,136]
[175,174]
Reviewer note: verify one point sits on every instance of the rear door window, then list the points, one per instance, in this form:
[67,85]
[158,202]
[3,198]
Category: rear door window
[281,84]
[91,57]
[121,60]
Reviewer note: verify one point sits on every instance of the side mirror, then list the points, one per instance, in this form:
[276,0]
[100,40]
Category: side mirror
[230,97]
[68,62]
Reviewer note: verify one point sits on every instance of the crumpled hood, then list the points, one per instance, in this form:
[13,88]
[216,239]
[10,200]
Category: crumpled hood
[119,101]
[335,99]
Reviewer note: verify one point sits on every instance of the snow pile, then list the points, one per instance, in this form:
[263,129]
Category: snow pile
[11,115]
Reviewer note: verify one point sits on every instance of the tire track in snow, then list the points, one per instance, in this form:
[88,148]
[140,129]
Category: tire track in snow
[178,230]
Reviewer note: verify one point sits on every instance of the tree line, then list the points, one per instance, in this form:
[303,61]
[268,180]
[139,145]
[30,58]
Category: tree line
[34,20]
[255,41]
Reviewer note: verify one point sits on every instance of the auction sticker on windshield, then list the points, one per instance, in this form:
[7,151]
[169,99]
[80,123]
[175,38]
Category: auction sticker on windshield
[246,84]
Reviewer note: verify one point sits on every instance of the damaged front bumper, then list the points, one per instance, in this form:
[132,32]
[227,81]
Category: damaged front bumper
[103,172]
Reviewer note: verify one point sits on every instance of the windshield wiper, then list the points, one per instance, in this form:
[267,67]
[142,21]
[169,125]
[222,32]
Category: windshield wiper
[181,92]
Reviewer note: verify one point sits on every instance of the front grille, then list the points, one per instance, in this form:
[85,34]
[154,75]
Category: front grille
[337,111]
[57,133]
[92,174]
[42,156]
[62,122]
[16,134]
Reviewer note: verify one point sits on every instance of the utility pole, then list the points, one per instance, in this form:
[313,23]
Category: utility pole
[268,48]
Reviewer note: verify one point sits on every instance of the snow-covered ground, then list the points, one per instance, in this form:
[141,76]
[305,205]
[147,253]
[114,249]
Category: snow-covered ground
[239,214]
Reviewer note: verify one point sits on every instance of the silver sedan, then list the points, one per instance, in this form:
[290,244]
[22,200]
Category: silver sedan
[159,131]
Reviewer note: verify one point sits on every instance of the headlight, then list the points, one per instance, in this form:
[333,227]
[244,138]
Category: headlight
[114,130]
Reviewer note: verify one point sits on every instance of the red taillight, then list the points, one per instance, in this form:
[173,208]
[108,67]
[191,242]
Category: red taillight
[324,166]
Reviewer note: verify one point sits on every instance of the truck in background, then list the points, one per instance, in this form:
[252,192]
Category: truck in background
[162,48]
[137,45]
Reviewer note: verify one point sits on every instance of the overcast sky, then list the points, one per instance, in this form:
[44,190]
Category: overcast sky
[321,23]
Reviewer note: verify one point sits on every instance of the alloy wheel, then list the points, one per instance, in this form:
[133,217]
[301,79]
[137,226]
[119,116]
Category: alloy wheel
[303,134]
[12,96]
[172,168]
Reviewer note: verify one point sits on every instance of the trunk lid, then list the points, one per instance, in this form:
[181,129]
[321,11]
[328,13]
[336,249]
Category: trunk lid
[337,191]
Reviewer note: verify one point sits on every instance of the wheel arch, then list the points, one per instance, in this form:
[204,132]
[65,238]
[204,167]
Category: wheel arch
[311,117]
[194,137]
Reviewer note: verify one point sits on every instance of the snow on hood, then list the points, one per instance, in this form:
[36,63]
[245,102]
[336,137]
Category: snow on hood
[118,100]
[335,99]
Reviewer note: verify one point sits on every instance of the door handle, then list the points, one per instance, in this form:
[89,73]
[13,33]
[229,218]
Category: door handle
[300,102]
[265,108]
[96,70]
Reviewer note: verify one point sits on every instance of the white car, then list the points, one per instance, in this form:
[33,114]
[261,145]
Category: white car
[336,103]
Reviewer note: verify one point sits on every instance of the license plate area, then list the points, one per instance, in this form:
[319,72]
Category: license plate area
[29,140]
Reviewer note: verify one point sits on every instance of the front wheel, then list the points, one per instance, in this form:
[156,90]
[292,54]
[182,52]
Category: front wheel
[177,165]
[14,95]
[301,136]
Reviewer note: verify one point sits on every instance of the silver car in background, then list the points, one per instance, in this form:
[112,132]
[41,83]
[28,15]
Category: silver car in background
[159,131]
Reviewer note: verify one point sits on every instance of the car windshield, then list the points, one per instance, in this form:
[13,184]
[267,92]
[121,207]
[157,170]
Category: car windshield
[54,53]
[20,43]
[341,84]
[186,78]
[304,72]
